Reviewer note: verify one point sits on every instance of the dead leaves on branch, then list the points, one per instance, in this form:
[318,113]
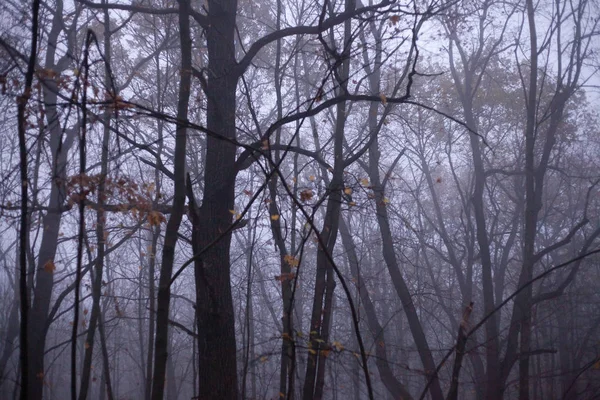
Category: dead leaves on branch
[123,194]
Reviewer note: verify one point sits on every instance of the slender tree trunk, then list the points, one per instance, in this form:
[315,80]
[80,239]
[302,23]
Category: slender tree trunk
[172,230]
[100,225]
[396,389]
[44,279]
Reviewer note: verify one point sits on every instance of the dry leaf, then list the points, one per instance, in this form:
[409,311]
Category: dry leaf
[50,267]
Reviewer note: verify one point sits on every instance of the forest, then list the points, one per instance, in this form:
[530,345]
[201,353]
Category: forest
[300,199]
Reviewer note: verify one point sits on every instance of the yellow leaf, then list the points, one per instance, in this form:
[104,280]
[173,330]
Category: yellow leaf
[275,217]
[348,191]
[364,182]
[291,260]
[338,346]
[383,99]
[386,200]
[264,359]
[50,267]
[312,178]
[312,351]
[233,212]
[352,203]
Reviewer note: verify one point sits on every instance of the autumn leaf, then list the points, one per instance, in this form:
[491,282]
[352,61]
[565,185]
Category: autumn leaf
[155,218]
[50,267]
[312,178]
[306,195]
[86,345]
[364,182]
[348,191]
[386,200]
[394,19]
[337,345]
[383,99]
[285,277]
[291,260]
[275,217]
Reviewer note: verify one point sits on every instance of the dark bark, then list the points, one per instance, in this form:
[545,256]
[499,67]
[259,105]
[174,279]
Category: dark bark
[22,102]
[100,224]
[44,279]
[461,344]
[172,229]
[322,310]
[216,329]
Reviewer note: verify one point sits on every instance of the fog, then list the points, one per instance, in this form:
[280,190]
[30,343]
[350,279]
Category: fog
[290,199]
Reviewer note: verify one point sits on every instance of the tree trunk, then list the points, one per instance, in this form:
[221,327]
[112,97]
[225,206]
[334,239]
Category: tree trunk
[392,384]
[216,324]
[172,230]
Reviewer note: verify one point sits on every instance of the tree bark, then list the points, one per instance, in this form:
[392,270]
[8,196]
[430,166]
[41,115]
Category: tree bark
[172,229]
[217,367]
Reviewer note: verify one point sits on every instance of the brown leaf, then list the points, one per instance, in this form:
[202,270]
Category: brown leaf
[306,195]
[50,267]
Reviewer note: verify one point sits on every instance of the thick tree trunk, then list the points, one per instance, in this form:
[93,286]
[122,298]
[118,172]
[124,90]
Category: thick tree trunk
[216,323]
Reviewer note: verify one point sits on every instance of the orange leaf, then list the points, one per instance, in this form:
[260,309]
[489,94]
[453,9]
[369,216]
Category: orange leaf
[285,277]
